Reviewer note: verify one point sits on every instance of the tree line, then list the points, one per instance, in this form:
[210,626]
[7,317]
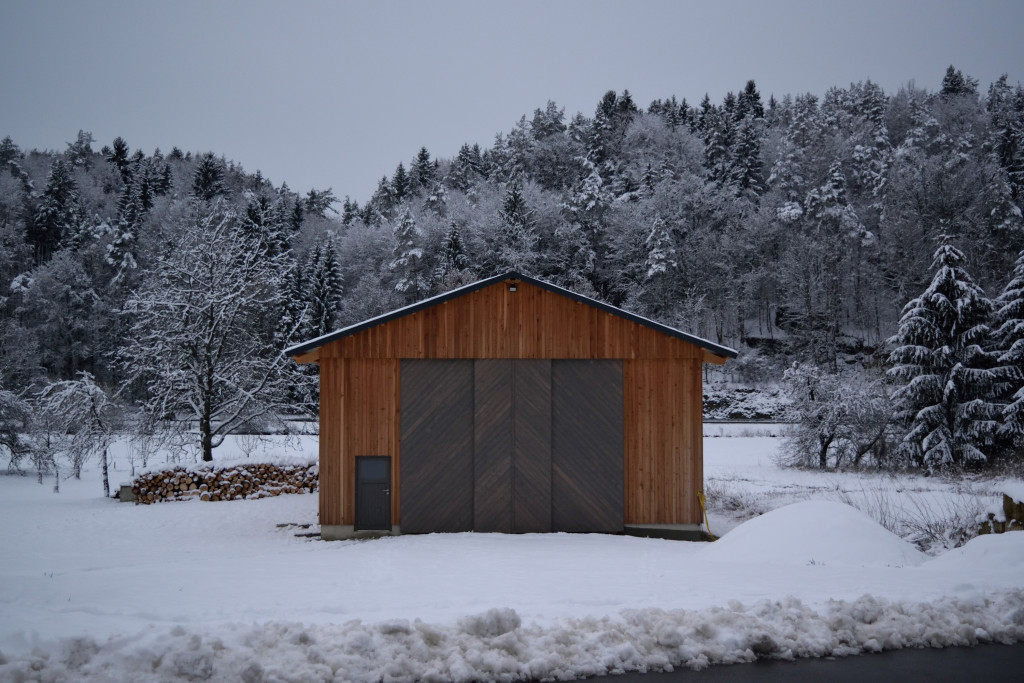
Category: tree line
[795,227]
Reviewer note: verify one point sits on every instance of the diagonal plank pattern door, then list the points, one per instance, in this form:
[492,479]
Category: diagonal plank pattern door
[437,446]
[587,446]
[510,445]
[531,446]
[492,445]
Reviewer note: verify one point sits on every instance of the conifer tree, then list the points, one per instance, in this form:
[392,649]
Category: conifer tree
[421,172]
[954,83]
[59,212]
[325,288]
[292,321]
[661,254]
[947,377]
[208,178]
[400,184]
[118,156]
[1009,336]
[453,255]
[517,246]
[407,262]
[120,253]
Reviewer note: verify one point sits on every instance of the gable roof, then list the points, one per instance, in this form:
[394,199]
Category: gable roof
[313,344]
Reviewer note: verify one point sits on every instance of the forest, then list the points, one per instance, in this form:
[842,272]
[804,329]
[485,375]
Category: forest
[858,247]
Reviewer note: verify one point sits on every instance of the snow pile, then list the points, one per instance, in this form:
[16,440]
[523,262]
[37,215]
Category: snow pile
[814,532]
[493,645]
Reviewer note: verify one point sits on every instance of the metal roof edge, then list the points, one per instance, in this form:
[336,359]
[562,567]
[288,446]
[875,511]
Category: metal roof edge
[316,343]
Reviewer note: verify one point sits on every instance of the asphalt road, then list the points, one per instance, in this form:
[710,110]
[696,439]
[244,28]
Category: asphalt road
[989,663]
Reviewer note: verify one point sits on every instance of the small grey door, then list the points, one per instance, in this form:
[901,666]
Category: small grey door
[373,493]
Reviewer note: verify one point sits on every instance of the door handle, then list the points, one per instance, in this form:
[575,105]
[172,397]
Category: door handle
[387,491]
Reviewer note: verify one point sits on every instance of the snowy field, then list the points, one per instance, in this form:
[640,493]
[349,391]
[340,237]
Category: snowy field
[93,589]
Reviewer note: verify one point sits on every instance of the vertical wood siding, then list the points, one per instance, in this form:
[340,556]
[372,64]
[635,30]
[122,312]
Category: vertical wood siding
[493,322]
[331,494]
[664,440]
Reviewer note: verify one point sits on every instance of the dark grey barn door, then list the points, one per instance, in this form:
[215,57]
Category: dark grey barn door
[512,445]
[587,446]
[437,446]
[373,493]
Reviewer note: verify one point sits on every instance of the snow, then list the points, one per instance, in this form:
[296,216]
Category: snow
[92,589]
[1014,489]
[794,534]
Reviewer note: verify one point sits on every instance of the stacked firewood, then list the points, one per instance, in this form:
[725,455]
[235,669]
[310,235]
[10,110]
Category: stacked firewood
[1009,518]
[227,483]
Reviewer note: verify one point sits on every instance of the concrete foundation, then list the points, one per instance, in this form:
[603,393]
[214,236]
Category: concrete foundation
[674,532]
[344,532]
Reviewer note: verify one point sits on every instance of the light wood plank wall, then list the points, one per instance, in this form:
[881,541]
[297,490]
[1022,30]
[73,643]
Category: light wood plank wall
[493,322]
[664,441]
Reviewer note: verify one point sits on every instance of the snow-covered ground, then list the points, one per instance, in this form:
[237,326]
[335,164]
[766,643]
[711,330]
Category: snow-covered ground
[92,589]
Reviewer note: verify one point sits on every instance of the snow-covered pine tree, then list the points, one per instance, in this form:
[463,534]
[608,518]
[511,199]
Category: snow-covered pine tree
[208,178]
[1009,335]
[292,321]
[407,263]
[948,378]
[400,184]
[421,171]
[453,255]
[59,211]
[518,238]
[120,253]
[325,289]
[437,200]
[661,254]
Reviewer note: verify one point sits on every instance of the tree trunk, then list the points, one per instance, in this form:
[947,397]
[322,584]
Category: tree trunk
[106,474]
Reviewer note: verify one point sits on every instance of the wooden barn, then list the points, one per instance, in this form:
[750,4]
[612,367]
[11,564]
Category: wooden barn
[510,405]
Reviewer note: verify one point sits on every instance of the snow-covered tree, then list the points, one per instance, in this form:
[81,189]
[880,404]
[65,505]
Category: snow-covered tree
[661,253]
[518,236]
[325,288]
[14,421]
[86,420]
[421,171]
[1009,336]
[208,178]
[407,264]
[837,420]
[59,211]
[318,202]
[201,344]
[453,258]
[947,377]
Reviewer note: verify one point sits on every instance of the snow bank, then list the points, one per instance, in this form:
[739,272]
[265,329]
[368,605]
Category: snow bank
[493,645]
[814,532]
[992,550]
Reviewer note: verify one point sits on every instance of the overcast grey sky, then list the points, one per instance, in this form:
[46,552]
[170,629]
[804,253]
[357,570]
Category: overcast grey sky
[335,94]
